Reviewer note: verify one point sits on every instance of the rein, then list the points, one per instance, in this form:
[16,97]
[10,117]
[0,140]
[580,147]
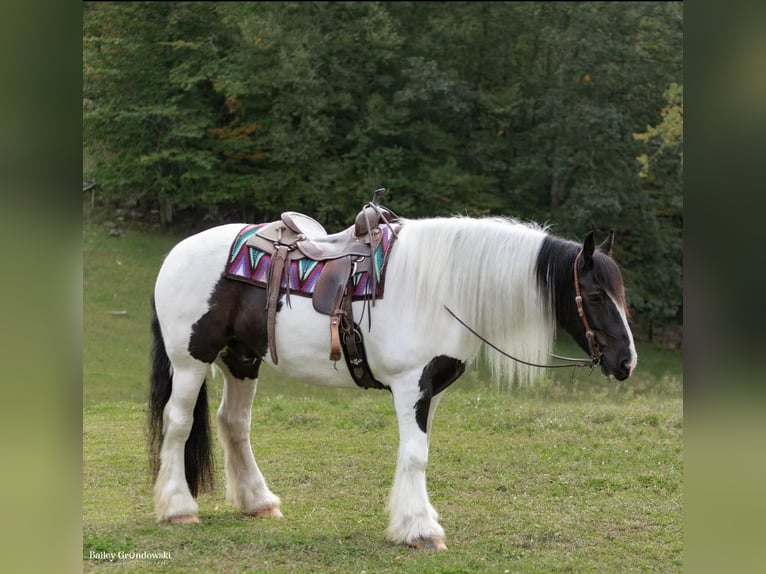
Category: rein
[574,362]
[595,352]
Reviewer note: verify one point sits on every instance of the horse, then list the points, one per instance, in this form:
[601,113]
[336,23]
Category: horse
[514,283]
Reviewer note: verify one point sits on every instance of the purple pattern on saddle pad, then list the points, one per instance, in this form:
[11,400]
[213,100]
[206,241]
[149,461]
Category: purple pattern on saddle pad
[246,263]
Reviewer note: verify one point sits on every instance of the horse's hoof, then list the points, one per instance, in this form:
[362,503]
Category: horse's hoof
[266,513]
[184,519]
[428,544]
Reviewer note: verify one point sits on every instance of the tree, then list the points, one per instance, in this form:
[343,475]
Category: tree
[661,173]
[148,102]
[214,112]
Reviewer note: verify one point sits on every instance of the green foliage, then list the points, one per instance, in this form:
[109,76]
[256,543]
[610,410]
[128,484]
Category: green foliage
[661,174]
[668,136]
[210,112]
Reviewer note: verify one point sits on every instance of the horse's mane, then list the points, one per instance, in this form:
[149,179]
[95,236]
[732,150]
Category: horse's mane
[484,270]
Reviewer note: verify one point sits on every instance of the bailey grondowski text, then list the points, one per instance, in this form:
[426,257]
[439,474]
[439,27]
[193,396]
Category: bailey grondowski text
[131,555]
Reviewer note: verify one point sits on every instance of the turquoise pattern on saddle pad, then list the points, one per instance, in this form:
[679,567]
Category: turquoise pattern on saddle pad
[246,263]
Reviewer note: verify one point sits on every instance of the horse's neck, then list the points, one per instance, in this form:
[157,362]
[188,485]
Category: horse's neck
[483,269]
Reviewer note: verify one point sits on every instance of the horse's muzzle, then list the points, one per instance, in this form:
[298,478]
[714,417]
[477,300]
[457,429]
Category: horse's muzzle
[624,370]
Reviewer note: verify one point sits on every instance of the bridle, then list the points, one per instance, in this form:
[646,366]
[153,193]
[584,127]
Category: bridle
[595,351]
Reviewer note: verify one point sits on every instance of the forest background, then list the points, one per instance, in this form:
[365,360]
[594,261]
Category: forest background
[196,114]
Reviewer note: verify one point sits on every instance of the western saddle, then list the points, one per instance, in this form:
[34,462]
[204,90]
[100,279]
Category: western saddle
[295,236]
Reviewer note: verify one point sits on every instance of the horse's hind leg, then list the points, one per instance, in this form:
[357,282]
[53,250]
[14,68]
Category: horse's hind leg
[173,500]
[246,488]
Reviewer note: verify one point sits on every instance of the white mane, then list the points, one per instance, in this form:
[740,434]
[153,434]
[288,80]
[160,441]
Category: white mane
[483,270]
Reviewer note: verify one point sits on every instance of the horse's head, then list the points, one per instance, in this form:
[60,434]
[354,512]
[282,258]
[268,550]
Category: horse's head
[602,330]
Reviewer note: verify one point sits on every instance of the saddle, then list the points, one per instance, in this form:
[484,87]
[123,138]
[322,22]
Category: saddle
[296,236]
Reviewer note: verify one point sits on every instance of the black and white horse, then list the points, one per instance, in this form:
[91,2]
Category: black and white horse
[514,283]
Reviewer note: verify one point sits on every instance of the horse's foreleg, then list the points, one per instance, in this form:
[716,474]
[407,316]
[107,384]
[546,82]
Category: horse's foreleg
[246,488]
[173,500]
[413,521]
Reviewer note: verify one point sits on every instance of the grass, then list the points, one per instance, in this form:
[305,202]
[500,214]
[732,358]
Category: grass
[118,279]
[576,474]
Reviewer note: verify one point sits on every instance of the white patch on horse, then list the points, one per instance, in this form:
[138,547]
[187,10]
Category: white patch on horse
[632,345]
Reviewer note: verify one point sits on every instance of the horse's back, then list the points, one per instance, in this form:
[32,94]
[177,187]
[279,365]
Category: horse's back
[208,246]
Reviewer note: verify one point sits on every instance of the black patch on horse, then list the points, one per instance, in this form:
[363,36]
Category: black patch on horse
[555,279]
[437,375]
[234,323]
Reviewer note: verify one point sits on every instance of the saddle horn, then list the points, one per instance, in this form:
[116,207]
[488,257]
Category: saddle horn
[376,195]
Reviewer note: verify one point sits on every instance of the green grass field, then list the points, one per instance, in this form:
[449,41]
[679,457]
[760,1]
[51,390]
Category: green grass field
[576,474]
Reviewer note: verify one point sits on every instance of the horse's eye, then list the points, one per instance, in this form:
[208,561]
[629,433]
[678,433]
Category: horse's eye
[596,297]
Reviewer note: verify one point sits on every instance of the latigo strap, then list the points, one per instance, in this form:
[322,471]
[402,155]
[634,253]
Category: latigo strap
[275,279]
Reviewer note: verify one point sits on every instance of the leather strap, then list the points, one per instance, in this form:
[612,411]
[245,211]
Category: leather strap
[353,348]
[595,350]
[276,270]
[335,337]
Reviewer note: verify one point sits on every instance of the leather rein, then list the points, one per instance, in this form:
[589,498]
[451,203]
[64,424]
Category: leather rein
[595,352]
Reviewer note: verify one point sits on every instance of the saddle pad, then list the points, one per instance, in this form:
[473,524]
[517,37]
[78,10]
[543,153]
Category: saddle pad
[249,264]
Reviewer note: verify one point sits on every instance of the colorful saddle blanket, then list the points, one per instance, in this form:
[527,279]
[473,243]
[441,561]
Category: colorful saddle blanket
[249,264]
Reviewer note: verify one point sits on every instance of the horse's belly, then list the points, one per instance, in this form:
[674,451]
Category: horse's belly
[303,346]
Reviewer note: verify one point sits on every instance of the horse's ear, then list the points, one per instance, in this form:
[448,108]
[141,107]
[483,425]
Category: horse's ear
[606,246]
[588,246]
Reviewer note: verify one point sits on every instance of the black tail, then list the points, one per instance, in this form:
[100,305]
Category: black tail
[198,456]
